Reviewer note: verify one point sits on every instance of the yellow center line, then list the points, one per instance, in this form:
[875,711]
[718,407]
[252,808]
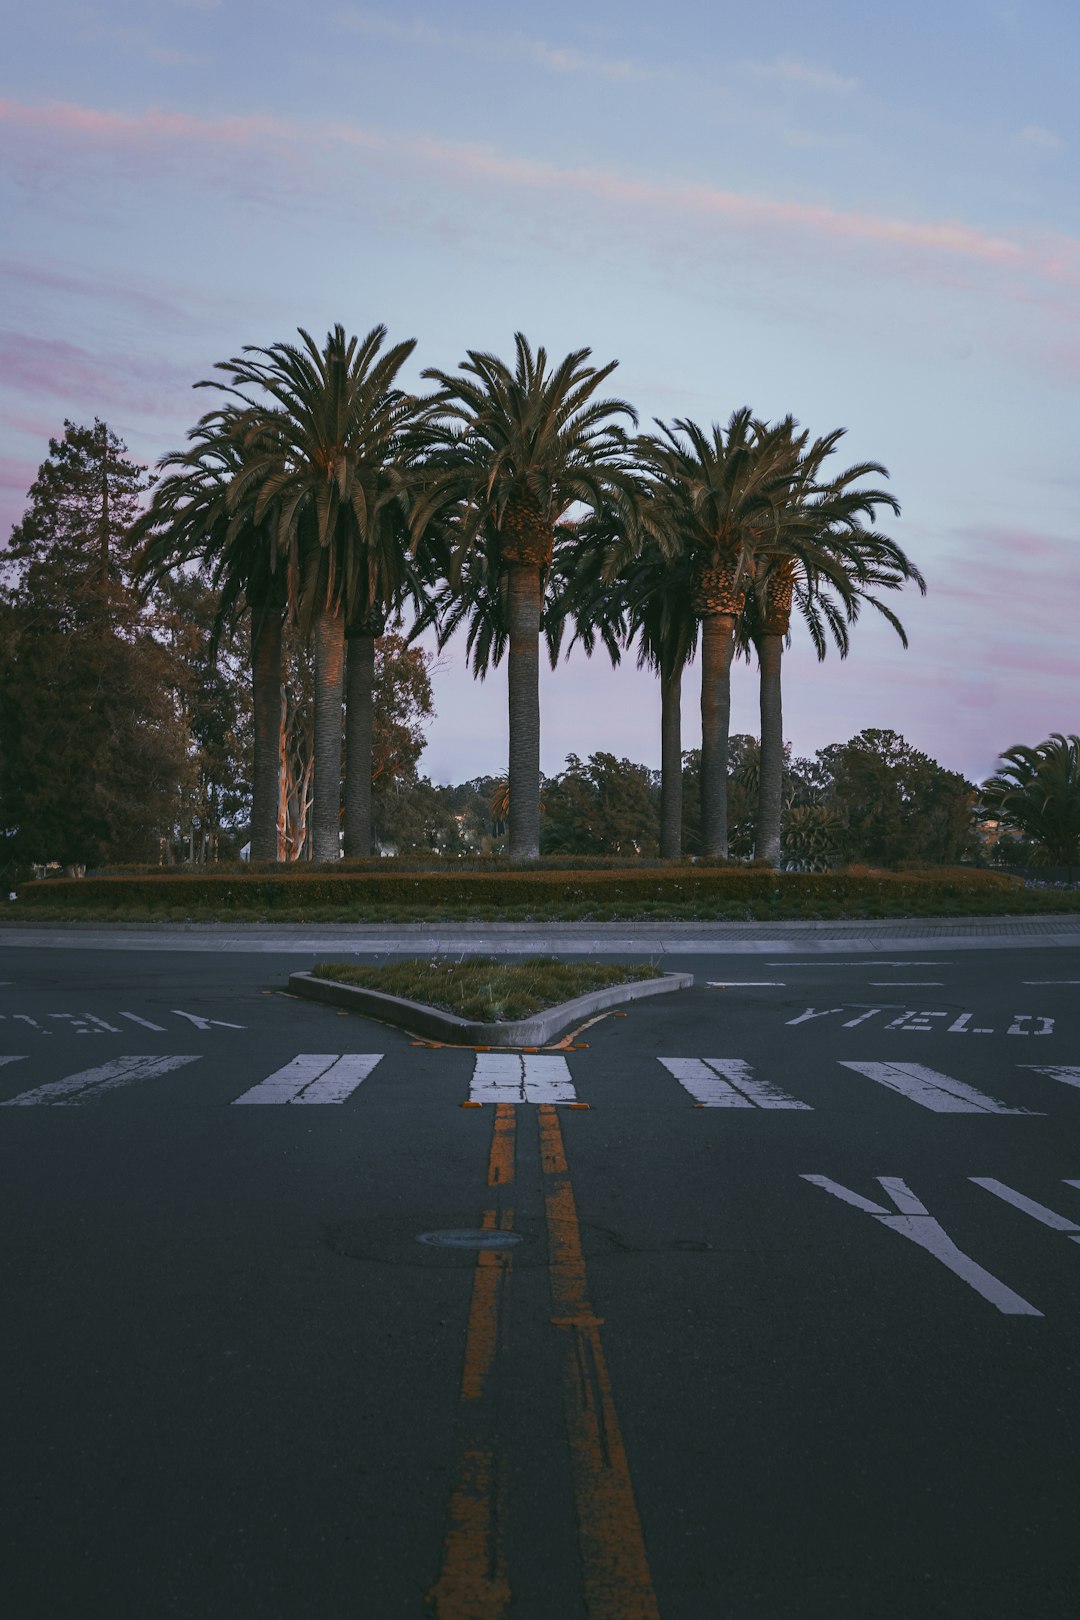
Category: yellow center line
[615,1568]
[472,1582]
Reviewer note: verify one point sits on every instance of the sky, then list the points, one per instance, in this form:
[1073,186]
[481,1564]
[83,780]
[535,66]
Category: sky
[865,216]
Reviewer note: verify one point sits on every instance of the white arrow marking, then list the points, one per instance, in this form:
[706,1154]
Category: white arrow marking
[205,1023]
[314,1077]
[521,1077]
[917,1225]
[938,1092]
[727,1083]
[90,1083]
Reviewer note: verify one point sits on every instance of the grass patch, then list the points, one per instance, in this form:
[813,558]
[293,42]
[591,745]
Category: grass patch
[486,988]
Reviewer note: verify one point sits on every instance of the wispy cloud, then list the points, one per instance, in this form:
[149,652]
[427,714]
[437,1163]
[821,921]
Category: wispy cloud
[80,378]
[1033,138]
[517,46]
[809,74]
[142,135]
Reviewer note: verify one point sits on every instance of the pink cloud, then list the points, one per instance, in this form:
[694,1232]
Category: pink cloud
[81,380]
[1056,261]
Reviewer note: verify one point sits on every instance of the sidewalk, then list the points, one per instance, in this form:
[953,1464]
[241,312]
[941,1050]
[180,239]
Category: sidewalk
[655,939]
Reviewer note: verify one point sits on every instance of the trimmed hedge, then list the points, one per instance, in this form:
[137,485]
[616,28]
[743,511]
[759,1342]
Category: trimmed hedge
[720,886]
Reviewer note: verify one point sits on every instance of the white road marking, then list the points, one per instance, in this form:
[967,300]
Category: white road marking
[727,1083]
[1031,982]
[1064,1072]
[906,984]
[851,1023]
[145,1022]
[917,1225]
[812,1012]
[744,984]
[205,1023]
[82,1022]
[911,1020]
[867,961]
[19,1058]
[1028,1018]
[1038,1212]
[314,1077]
[90,1083]
[24,1018]
[938,1092]
[524,1077]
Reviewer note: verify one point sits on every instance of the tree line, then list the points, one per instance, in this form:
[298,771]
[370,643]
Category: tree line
[321,516]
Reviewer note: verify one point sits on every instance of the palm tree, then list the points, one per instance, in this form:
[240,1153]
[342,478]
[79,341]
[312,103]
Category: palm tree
[191,516]
[512,453]
[821,558]
[714,499]
[1037,791]
[331,478]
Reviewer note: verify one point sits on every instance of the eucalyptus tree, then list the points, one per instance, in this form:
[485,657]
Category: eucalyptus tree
[330,474]
[820,557]
[714,500]
[511,454]
[193,515]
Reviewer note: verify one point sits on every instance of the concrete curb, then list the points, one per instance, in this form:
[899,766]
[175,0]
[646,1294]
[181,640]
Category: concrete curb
[420,1019]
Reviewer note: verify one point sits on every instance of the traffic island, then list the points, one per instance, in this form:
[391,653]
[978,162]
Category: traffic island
[440,1024]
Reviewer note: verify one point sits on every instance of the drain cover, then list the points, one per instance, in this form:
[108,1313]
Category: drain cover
[457,1237]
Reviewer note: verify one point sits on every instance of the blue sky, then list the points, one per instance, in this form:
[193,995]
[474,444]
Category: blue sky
[866,217]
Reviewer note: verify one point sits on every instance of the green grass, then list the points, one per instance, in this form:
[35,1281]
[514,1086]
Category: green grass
[487,988]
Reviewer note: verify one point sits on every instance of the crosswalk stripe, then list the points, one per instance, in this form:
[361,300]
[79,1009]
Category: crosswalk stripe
[938,1092]
[520,1077]
[727,1083]
[90,1083]
[314,1077]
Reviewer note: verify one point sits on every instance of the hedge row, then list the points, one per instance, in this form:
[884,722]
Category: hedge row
[718,885]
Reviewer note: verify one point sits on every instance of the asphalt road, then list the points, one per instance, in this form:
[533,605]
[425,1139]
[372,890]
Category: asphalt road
[789,1327]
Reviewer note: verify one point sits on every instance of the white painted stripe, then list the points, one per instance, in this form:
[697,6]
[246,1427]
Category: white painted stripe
[18,1059]
[744,984]
[1049,981]
[340,1079]
[930,1235]
[906,984]
[727,1083]
[102,1023]
[521,1077]
[317,1077]
[1038,1212]
[1068,1074]
[867,961]
[90,1083]
[145,1022]
[938,1092]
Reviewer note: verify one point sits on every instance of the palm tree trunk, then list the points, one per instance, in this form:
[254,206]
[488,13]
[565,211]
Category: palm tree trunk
[671,795]
[717,651]
[526,594]
[771,781]
[359,726]
[329,680]
[266,718]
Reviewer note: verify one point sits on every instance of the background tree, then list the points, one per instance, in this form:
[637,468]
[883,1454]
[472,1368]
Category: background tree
[92,741]
[899,804]
[1036,792]
[601,806]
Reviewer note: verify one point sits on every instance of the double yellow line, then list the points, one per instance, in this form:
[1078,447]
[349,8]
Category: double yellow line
[473,1583]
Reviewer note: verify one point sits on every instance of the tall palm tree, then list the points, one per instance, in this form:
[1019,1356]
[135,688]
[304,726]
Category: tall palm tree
[331,479]
[192,516]
[512,453]
[715,497]
[821,558]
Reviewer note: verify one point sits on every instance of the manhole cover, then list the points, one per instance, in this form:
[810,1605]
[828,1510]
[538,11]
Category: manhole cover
[462,1238]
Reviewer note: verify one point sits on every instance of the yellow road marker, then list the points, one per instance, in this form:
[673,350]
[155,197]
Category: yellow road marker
[472,1583]
[615,1568]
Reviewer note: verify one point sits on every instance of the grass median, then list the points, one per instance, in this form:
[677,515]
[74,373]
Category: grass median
[486,988]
